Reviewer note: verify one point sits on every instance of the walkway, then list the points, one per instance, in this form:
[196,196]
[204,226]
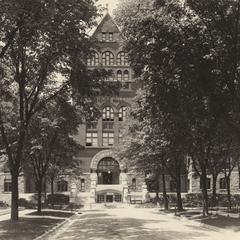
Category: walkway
[135,224]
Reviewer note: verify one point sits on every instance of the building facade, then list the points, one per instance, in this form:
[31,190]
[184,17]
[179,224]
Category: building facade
[105,178]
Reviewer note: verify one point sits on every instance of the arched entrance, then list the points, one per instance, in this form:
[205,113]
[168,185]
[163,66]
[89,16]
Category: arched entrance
[108,171]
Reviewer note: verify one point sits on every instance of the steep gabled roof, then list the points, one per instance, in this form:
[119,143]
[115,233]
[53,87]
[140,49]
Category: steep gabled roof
[107,24]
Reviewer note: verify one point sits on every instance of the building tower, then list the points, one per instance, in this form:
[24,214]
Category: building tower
[104,178]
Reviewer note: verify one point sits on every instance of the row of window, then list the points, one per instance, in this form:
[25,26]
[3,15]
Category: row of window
[222,183]
[62,185]
[121,76]
[108,114]
[107,36]
[108,59]
[92,139]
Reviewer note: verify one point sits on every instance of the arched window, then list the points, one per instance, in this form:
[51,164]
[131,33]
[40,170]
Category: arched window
[122,59]
[107,58]
[62,186]
[93,60]
[119,75]
[126,75]
[122,114]
[108,114]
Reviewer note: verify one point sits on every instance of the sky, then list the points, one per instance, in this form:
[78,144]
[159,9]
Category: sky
[112,4]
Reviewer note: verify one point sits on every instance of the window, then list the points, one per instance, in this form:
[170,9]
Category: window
[62,186]
[104,36]
[108,114]
[122,114]
[82,186]
[91,139]
[126,76]
[120,136]
[223,183]
[208,180]
[108,139]
[7,185]
[118,197]
[122,59]
[110,36]
[119,75]
[93,60]
[172,185]
[100,198]
[107,37]
[107,59]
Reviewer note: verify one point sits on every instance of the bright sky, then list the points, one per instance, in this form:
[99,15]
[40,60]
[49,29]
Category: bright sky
[112,4]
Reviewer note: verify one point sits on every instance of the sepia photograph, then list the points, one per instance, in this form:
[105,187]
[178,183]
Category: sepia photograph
[119,119]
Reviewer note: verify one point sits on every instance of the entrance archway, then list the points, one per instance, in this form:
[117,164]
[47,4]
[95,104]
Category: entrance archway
[108,171]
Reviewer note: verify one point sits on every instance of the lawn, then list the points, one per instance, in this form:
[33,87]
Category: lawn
[32,225]
[223,222]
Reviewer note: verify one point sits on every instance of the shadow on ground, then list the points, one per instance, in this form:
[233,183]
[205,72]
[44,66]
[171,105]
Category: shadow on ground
[106,227]
[26,229]
[223,222]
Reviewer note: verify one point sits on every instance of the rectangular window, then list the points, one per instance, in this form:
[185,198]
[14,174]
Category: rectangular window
[118,197]
[100,198]
[208,183]
[7,185]
[91,139]
[110,37]
[223,183]
[82,186]
[104,36]
[108,139]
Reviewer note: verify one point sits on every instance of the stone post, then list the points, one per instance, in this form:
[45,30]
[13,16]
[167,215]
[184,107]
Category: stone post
[93,178]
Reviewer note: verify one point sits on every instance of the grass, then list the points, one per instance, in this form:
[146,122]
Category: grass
[32,225]
[223,222]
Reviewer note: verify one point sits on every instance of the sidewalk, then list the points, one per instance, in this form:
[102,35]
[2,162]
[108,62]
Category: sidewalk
[5,213]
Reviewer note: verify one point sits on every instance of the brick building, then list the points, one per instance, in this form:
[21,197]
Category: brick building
[104,178]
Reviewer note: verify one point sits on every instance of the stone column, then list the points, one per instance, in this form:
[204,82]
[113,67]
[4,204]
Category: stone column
[124,182]
[93,178]
[144,192]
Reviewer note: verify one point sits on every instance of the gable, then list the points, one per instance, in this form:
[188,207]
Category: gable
[106,25]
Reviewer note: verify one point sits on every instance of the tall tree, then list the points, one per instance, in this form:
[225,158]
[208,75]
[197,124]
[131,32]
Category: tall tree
[44,49]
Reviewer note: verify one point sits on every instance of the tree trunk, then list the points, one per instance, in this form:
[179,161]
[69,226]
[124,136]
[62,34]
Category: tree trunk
[214,190]
[165,197]
[178,191]
[52,192]
[229,192]
[157,187]
[39,205]
[203,180]
[14,201]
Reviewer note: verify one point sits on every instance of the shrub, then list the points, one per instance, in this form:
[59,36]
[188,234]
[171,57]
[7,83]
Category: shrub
[22,202]
[58,199]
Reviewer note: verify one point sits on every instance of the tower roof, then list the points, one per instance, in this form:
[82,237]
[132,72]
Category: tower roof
[107,24]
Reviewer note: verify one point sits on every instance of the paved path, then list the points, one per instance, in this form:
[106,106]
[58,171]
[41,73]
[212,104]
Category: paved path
[135,224]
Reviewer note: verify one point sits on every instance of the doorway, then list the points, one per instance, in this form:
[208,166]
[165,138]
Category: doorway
[108,171]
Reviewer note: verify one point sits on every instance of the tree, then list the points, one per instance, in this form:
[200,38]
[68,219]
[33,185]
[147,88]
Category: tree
[50,142]
[36,51]
[184,52]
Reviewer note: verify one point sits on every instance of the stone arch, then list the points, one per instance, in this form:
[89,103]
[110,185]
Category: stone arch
[104,154]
